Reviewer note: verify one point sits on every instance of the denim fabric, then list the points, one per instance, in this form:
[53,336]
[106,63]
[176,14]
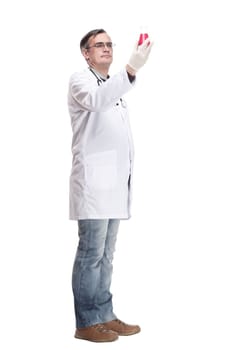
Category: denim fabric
[92,271]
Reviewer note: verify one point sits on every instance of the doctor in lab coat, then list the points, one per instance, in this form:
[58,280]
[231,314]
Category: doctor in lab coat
[100,180]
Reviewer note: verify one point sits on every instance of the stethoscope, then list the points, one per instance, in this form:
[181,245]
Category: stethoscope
[100,81]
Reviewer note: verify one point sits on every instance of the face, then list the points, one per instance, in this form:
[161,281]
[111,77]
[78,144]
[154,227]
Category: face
[97,56]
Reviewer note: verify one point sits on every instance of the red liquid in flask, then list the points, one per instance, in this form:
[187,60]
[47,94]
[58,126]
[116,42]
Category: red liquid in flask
[142,38]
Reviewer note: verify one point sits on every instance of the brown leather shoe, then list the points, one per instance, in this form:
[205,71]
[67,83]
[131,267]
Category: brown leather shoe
[96,333]
[122,328]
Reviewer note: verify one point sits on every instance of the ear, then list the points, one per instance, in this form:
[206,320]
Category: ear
[85,54]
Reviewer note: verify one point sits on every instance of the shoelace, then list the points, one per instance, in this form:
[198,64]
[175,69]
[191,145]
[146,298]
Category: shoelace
[100,327]
[120,322]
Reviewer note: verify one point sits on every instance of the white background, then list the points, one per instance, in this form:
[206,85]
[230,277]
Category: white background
[173,263]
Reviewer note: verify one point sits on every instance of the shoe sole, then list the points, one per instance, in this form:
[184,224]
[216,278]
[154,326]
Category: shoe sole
[96,340]
[129,333]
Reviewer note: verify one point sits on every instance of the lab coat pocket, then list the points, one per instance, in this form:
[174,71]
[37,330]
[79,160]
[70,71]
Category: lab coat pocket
[101,170]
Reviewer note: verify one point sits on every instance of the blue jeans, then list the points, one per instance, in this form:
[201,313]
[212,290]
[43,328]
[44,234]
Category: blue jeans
[92,272]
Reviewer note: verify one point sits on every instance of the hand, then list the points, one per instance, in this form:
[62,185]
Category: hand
[140,55]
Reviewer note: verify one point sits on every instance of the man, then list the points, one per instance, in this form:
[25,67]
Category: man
[100,181]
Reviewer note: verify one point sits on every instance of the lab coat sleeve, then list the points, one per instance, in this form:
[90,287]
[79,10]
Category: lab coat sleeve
[94,98]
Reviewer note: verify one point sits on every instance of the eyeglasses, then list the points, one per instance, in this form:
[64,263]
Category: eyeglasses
[101,45]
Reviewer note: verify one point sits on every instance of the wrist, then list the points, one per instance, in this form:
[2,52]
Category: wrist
[130,70]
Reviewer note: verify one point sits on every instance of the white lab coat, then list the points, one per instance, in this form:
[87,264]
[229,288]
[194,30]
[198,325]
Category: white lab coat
[102,147]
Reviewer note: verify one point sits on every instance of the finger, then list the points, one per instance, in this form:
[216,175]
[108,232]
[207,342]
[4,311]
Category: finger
[136,45]
[150,44]
[147,45]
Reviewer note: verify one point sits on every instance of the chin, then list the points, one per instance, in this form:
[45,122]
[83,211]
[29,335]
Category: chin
[108,60]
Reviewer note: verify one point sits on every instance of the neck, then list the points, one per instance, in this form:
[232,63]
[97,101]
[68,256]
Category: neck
[101,70]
